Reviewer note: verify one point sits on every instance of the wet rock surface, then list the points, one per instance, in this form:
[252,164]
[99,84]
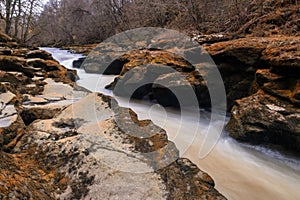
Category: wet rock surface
[77,63]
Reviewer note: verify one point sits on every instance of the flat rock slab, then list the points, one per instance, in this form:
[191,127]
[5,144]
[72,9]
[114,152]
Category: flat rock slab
[86,127]
[56,94]
[8,116]
[7,121]
[57,90]
[100,158]
[37,100]
[6,97]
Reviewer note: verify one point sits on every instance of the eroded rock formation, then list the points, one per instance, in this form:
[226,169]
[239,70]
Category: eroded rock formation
[265,82]
[260,75]
[59,141]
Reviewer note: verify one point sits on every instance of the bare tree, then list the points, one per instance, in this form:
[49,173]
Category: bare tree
[85,21]
[10,6]
[18,18]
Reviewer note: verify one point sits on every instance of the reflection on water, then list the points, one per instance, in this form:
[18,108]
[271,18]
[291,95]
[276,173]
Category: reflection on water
[240,171]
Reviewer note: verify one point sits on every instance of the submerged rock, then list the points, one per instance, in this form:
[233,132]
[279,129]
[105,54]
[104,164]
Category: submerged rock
[77,63]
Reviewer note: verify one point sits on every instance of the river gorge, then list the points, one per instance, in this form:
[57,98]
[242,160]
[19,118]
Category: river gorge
[240,171]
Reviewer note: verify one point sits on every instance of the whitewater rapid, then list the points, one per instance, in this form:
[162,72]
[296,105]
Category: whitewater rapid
[240,171]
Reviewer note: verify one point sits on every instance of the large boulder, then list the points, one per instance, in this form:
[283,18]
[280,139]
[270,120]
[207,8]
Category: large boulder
[162,76]
[99,148]
[173,88]
[269,114]
[77,63]
[105,59]
[238,61]
[137,83]
[264,119]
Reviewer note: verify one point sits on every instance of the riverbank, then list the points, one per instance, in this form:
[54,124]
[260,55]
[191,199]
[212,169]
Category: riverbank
[80,49]
[59,140]
[273,175]
[260,75]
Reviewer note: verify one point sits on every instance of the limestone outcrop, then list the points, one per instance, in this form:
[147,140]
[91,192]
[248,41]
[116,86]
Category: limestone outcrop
[60,141]
[265,73]
[256,71]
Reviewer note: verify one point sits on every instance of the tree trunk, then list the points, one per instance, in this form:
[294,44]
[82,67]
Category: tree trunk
[10,9]
[18,19]
[29,18]
[7,16]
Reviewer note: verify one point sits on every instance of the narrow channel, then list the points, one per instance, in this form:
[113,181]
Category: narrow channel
[240,171]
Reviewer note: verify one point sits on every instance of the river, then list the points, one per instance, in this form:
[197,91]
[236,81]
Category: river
[240,171]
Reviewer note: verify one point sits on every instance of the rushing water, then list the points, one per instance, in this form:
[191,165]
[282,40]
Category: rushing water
[239,171]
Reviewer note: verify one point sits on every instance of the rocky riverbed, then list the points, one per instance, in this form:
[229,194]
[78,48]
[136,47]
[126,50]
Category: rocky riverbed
[60,141]
[273,174]
[260,75]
